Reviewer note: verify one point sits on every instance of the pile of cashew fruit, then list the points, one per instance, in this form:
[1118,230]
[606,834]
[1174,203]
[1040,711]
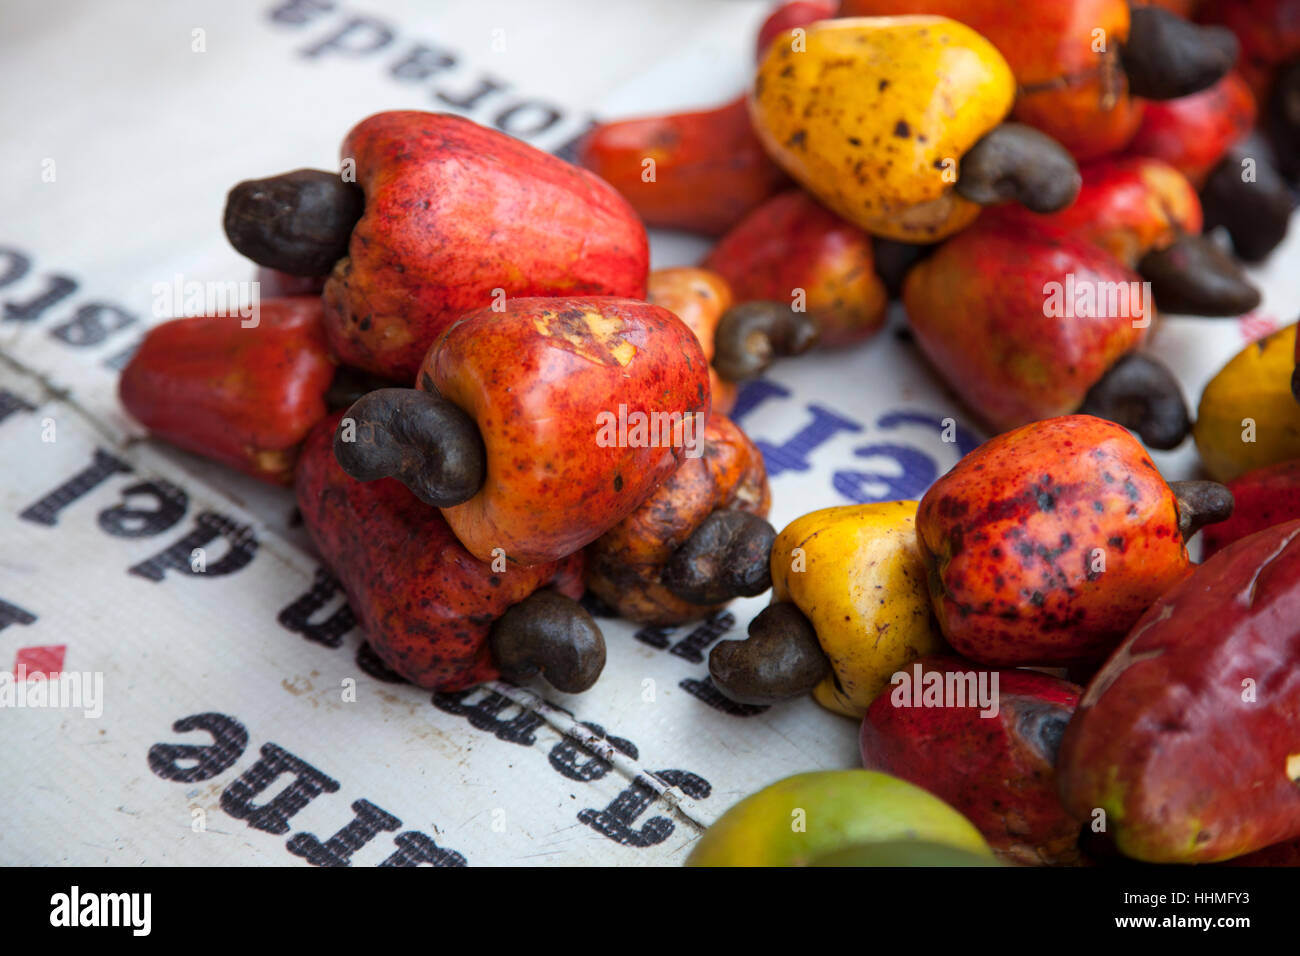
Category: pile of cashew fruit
[495,417]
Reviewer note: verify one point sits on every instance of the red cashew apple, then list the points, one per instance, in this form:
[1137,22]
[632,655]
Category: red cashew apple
[625,565]
[1186,738]
[1147,215]
[792,247]
[1128,206]
[1269,32]
[243,395]
[991,757]
[1047,543]
[1264,497]
[426,605]
[1022,325]
[1193,133]
[699,171]
[458,217]
[557,388]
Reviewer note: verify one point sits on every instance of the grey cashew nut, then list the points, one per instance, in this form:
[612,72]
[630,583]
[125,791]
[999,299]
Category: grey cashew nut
[550,634]
[417,437]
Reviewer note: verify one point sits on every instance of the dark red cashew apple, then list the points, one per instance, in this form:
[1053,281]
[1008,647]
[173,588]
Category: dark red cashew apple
[792,247]
[1269,32]
[1029,325]
[1147,215]
[538,428]
[1207,137]
[1192,133]
[243,395]
[993,760]
[697,542]
[456,217]
[1264,497]
[434,613]
[1187,739]
[1282,121]
[1081,66]
[1046,543]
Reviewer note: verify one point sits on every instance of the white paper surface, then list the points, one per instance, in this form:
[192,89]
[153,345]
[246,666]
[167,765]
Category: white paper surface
[146,135]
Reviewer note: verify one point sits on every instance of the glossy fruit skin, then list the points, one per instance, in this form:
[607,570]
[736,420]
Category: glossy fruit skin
[1012,536]
[1129,206]
[625,563]
[860,579]
[709,167]
[698,297]
[455,211]
[1192,133]
[1075,94]
[425,603]
[1254,387]
[797,13]
[997,770]
[1261,499]
[977,308]
[537,378]
[792,242]
[1164,740]
[881,153]
[843,808]
[1269,31]
[245,397]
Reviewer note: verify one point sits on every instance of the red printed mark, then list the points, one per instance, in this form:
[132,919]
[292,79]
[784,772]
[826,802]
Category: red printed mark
[46,662]
[1255,326]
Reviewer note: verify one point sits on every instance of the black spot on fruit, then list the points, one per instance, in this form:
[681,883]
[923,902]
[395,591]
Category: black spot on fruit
[902,130]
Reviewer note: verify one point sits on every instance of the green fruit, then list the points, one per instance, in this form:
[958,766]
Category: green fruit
[904,853]
[800,818]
